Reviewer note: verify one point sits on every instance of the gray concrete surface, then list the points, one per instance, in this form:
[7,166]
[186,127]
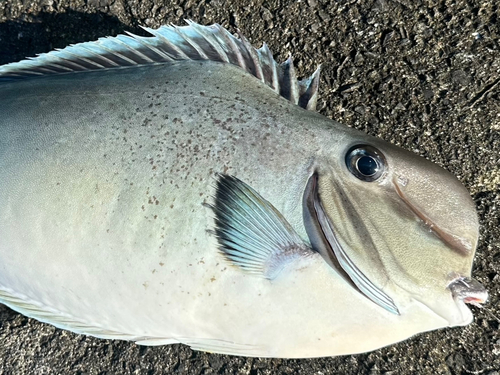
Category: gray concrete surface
[425,77]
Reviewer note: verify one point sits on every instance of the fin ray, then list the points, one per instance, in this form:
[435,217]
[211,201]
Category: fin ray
[251,233]
[209,345]
[37,310]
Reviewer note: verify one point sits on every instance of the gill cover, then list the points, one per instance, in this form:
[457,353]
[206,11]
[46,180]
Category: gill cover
[321,231]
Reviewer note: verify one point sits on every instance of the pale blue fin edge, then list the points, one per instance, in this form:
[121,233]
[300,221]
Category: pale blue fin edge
[39,311]
[211,346]
[173,43]
[47,314]
[251,233]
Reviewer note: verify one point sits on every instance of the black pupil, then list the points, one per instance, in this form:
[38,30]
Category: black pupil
[367,166]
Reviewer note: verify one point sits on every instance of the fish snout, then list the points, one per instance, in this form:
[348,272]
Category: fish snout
[443,204]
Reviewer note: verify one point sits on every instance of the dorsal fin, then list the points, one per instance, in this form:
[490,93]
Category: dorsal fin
[173,43]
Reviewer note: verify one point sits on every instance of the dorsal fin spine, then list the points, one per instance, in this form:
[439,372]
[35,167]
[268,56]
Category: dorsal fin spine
[234,47]
[133,50]
[47,70]
[66,61]
[309,97]
[266,52]
[210,39]
[104,58]
[113,46]
[139,40]
[172,46]
[67,68]
[292,80]
[253,55]
[86,59]
[192,43]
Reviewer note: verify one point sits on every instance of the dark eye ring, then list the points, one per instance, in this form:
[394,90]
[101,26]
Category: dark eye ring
[365,162]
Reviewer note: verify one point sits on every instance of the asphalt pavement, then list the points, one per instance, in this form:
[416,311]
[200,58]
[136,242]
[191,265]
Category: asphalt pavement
[424,75]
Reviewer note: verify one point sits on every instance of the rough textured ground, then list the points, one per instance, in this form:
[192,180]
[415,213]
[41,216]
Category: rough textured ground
[425,77]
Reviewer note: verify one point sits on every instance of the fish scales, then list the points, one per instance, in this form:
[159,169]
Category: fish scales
[120,218]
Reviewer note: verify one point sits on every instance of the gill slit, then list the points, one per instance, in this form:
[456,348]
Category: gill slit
[360,281]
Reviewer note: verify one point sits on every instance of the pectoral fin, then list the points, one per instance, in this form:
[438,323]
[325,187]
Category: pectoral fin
[252,234]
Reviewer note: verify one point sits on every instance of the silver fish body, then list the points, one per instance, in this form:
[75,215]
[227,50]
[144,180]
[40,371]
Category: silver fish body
[116,219]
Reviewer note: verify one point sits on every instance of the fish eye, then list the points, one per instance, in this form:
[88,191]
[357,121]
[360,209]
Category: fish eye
[365,162]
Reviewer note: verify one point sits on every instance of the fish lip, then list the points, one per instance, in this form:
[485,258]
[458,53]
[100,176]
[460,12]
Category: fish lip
[338,258]
[464,291]
[458,244]
[468,291]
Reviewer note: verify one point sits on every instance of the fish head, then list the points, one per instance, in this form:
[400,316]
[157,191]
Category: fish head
[397,227]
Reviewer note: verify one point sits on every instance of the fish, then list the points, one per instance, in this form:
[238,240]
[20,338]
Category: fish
[181,188]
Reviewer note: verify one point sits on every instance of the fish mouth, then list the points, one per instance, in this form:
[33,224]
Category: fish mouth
[324,240]
[467,290]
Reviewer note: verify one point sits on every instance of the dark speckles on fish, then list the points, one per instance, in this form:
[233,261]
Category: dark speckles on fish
[127,160]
